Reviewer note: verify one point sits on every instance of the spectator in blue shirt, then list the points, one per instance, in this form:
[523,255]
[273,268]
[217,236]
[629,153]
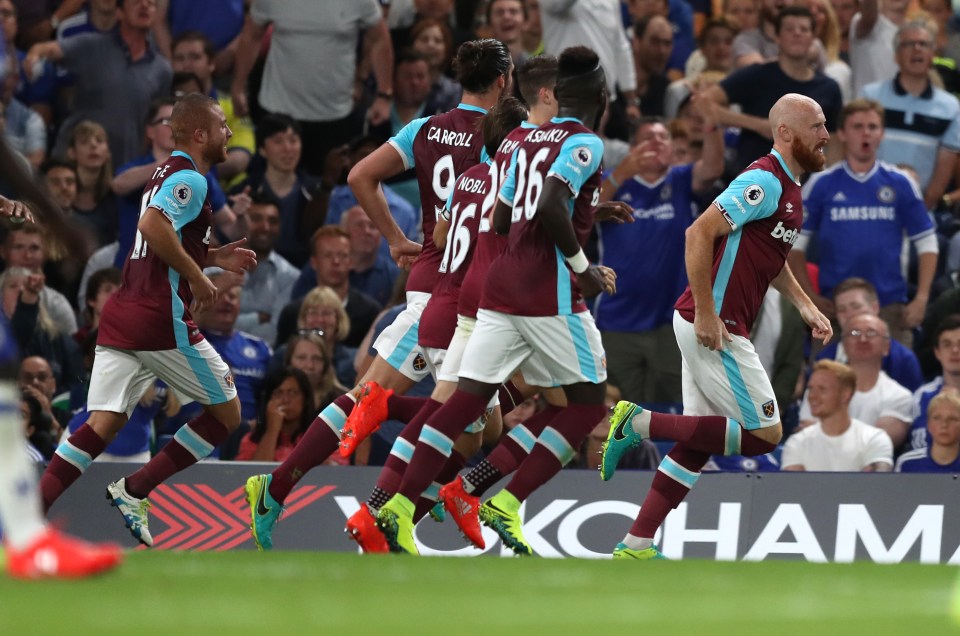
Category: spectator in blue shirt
[943,453]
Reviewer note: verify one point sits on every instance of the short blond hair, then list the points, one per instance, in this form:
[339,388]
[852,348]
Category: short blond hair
[846,376]
[946,397]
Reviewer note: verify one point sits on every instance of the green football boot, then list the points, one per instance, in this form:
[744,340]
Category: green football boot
[620,438]
[502,515]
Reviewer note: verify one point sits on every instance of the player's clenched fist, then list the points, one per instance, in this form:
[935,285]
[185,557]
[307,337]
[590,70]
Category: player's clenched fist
[596,279]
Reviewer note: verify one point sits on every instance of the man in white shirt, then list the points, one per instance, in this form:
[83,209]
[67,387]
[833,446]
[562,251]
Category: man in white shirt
[599,25]
[878,400]
[836,441]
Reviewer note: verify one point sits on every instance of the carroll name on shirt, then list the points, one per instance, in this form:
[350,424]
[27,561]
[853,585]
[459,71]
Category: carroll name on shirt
[449,137]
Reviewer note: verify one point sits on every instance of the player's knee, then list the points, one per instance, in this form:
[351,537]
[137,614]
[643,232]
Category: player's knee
[227,413]
[771,434]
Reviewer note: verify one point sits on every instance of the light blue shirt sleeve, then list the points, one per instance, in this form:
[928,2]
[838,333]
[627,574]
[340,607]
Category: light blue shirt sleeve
[403,141]
[753,195]
[951,137]
[181,197]
[579,158]
[509,186]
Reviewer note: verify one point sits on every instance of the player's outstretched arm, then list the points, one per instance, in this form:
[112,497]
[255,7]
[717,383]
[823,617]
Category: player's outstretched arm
[232,257]
[158,232]
[365,179]
[552,210]
[787,284]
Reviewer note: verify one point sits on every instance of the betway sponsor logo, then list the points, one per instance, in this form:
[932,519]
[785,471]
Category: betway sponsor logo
[785,235]
[787,531]
[864,213]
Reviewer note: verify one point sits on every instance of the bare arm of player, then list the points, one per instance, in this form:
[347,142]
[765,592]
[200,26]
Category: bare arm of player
[440,231]
[797,260]
[698,256]
[501,217]
[158,232]
[365,179]
[552,210]
[232,257]
[787,284]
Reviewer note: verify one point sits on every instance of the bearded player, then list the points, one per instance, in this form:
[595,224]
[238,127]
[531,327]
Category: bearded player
[734,251]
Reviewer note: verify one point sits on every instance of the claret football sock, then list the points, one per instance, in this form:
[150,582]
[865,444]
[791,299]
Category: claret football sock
[396,463]
[435,443]
[321,440]
[70,461]
[555,447]
[712,434]
[404,407]
[675,476]
[195,440]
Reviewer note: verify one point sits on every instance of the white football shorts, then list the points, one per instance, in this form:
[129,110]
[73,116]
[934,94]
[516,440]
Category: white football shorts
[730,382]
[398,343]
[548,350]
[120,377]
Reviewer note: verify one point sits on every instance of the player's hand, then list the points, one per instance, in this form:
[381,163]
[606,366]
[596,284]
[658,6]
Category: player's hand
[596,279]
[710,330]
[204,294]
[16,211]
[820,324]
[405,252]
[825,305]
[235,258]
[614,211]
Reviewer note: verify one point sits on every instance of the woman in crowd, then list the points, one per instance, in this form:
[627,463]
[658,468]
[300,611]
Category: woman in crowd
[310,354]
[432,38]
[95,205]
[286,411]
[35,333]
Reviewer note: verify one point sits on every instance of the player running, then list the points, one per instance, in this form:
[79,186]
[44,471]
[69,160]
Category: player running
[147,328]
[532,314]
[734,251]
[439,148]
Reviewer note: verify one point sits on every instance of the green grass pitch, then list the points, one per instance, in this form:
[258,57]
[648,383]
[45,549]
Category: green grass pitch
[274,594]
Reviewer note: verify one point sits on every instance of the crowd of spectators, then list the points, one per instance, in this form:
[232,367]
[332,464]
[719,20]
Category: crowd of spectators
[310,88]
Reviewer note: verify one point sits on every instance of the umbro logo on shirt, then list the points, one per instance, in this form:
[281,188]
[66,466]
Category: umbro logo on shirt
[839,196]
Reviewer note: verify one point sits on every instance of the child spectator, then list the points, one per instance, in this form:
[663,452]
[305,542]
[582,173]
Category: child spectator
[943,453]
[95,201]
[310,354]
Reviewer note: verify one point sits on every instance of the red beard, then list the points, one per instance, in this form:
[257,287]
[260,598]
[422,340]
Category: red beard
[809,160]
